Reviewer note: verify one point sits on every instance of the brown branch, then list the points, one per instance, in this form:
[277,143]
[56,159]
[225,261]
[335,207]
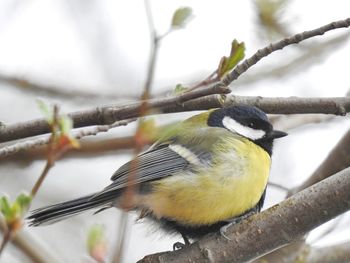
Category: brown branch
[294,105]
[102,115]
[139,140]
[312,55]
[88,148]
[10,229]
[31,145]
[264,52]
[52,154]
[278,186]
[273,228]
[336,161]
[110,114]
[30,150]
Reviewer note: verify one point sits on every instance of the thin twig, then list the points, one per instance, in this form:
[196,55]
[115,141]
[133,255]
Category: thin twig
[89,148]
[153,54]
[104,115]
[212,78]
[7,236]
[31,144]
[108,115]
[264,52]
[139,143]
[278,186]
[50,154]
[11,229]
[313,55]
[40,180]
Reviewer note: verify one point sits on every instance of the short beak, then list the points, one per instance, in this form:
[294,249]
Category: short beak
[277,134]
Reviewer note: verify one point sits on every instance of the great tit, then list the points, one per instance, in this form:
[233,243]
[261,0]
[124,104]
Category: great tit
[206,171]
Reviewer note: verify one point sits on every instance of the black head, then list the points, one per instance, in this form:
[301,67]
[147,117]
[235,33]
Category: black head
[247,121]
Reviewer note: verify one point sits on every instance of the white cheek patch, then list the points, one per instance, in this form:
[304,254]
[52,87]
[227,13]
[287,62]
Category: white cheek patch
[245,131]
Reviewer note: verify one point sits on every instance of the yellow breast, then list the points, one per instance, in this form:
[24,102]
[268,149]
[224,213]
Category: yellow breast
[219,192]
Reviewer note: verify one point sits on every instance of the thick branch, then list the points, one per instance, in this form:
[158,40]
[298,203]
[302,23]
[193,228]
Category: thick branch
[271,229]
[110,114]
[100,115]
[337,160]
[30,150]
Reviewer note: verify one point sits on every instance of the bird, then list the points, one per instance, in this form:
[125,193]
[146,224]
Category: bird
[203,173]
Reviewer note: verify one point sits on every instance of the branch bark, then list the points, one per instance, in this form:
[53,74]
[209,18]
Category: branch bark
[264,52]
[110,114]
[270,229]
[336,161]
[27,145]
[88,148]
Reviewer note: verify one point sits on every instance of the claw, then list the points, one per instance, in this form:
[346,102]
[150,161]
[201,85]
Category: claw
[223,231]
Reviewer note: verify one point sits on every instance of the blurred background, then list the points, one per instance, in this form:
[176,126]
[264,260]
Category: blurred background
[83,53]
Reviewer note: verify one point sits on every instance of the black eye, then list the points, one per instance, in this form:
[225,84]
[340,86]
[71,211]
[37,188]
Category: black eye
[251,125]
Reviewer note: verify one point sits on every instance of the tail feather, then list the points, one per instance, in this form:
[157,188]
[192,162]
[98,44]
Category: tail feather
[54,213]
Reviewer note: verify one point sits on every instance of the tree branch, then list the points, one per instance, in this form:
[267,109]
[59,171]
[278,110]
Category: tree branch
[31,144]
[265,231]
[336,161]
[110,114]
[312,55]
[88,148]
[264,52]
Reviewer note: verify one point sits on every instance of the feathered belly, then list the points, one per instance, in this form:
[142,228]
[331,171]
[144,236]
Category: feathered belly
[202,200]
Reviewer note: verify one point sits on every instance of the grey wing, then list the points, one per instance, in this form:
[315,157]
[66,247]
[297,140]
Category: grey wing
[154,164]
[158,162]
